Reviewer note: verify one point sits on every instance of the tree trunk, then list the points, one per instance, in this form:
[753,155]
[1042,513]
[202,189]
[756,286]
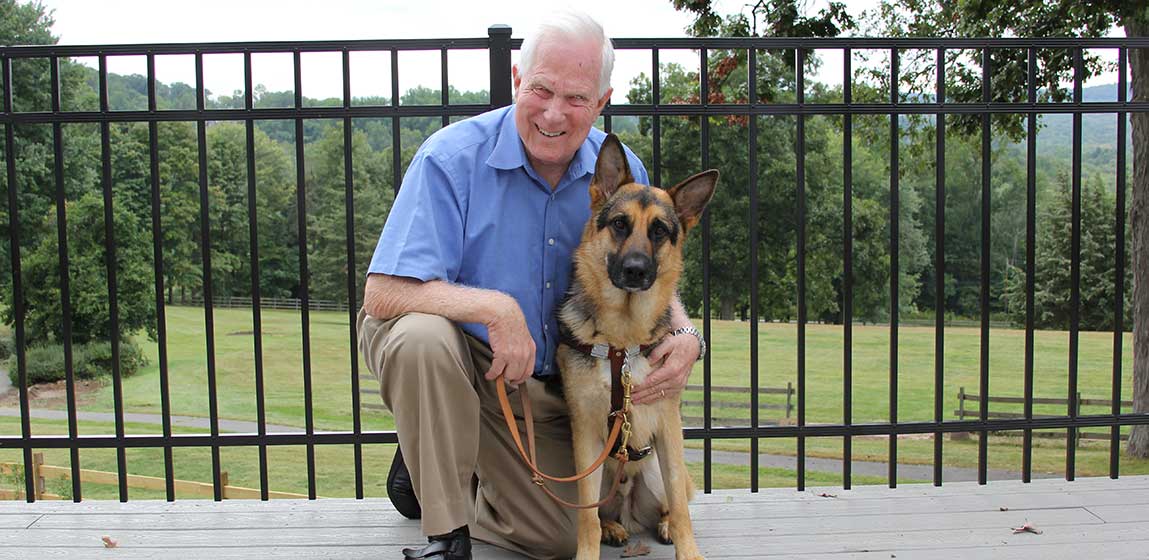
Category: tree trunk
[726,309]
[1138,26]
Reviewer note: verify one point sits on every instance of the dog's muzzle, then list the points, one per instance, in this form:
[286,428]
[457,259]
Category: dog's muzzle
[634,272]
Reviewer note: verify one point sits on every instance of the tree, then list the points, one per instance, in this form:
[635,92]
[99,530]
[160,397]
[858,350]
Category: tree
[327,196]
[275,216]
[87,274]
[777,222]
[1098,260]
[1054,18]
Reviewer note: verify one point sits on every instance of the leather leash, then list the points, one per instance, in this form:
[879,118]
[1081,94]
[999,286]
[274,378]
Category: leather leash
[620,410]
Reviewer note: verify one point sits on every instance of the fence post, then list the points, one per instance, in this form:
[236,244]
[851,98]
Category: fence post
[223,484]
[37,475]
[960,436]
[789,394]
[1077,433]
[500,53]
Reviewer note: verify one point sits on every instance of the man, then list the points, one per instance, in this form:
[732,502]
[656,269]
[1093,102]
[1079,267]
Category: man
[472,263]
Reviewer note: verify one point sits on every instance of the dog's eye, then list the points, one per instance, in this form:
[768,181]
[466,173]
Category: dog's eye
[658,231]
[619,225]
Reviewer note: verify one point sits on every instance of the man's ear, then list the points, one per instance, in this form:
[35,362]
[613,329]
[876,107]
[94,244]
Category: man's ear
[692,195]
[602,101]
[516,79]
[610,171]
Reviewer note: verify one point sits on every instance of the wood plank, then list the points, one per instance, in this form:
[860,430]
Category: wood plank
[1087,518]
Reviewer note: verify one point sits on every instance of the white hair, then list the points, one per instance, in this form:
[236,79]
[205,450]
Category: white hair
[569,25]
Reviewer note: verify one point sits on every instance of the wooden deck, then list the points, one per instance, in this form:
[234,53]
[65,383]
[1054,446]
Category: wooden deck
[1082,520]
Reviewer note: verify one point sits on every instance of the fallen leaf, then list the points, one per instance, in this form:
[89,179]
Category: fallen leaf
[109,542]
[1027,528]
[636,548]
[1003,508]
[828,495]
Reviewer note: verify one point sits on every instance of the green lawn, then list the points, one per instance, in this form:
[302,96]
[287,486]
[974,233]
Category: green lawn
[777,365]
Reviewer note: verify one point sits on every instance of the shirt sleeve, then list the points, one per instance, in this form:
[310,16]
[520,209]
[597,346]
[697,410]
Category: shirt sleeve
[423,235]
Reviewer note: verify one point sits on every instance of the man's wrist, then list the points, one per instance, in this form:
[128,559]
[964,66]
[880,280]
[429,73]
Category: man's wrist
[694,332]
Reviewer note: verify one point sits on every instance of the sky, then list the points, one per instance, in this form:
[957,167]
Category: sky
[91,22]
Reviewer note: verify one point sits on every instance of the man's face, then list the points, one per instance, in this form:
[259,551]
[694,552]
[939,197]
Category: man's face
[557,103]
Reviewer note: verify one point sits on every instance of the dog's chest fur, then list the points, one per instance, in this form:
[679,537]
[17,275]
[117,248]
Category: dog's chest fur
[587,386]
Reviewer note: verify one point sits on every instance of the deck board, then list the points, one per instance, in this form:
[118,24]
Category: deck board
[1087,518]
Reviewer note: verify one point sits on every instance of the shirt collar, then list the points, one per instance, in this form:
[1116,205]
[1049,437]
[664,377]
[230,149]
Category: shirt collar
[509,153]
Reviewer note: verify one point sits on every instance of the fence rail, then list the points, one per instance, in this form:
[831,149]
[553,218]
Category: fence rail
[962,412]
[244,302]
[499,46]
[42,473]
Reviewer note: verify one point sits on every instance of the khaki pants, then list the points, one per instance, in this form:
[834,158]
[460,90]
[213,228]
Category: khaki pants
[452,430]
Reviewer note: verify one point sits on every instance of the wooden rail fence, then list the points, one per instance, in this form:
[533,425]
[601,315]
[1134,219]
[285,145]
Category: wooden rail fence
[962,412]
[43,473]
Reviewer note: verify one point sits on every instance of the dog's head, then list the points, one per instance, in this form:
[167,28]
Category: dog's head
[640,230]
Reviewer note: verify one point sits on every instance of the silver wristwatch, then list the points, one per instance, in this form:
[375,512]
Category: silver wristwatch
[698,335]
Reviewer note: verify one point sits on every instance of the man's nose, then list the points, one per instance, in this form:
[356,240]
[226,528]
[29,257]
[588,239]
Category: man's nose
[554,108]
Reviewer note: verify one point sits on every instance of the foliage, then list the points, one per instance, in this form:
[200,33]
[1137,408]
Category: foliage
[1008,67]
[90,313]
[46,362]
[775,181]
[1053,269]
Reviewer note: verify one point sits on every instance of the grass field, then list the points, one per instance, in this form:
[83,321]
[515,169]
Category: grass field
[331,374]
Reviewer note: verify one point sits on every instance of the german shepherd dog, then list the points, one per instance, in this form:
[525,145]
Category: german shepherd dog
[625,278]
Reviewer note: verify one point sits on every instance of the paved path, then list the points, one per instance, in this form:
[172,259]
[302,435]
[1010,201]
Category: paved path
[813,464]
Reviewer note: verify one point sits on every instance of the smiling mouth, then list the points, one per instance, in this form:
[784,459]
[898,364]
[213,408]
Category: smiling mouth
[549,134]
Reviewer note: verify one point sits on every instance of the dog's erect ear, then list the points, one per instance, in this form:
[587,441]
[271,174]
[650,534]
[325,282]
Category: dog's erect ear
[692,195]
[610,171]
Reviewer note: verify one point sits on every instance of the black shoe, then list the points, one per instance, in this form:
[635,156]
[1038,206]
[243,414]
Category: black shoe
[400,490]
[455,545]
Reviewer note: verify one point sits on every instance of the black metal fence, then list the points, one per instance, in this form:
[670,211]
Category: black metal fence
[499,44]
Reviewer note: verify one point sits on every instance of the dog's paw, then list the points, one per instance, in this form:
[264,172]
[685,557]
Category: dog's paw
[663,531]
[614,534]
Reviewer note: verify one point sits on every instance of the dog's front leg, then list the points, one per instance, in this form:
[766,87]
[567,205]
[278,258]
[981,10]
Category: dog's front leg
[587,446]
[675,478]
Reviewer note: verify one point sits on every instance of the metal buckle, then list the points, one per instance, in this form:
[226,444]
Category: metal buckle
[600,351]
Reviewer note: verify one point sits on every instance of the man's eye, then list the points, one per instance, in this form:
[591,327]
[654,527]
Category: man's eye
[578,101]
[541,92]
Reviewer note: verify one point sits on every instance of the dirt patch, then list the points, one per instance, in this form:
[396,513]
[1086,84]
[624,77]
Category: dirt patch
[53,395]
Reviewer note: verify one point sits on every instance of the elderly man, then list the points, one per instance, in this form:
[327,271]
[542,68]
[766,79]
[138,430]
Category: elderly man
[472,263]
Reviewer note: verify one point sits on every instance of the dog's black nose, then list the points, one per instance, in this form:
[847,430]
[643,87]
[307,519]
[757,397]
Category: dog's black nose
[637,271]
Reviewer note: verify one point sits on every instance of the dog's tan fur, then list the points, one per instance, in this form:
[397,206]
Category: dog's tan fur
[655,491]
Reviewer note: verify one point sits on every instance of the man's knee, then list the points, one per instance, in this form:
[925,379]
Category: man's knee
[417,335]
[407,341]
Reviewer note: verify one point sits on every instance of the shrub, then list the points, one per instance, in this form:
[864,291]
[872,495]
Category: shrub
[45,362]
[98,358]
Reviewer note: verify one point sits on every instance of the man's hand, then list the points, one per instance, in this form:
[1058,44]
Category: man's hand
[512,348]
[673,360]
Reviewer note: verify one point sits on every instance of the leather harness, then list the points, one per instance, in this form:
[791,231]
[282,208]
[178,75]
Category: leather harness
[617,444]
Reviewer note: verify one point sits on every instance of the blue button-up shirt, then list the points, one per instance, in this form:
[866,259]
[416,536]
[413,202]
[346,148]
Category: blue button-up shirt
[472,211]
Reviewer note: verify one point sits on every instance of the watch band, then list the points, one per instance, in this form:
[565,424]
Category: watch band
[692,331]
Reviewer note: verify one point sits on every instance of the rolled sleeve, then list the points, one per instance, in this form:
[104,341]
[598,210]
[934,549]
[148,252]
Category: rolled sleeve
[423,235]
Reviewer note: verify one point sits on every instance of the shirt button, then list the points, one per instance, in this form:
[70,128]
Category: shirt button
[551,241]
[544,327]
[548,285]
